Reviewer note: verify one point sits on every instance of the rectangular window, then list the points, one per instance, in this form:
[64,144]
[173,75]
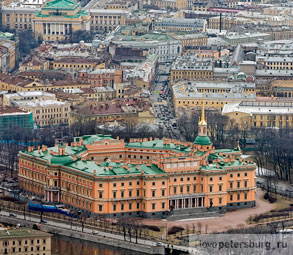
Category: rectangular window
[114,208]
[114,194]
[130,193]
[163,183]
[238,196]
[153,206]
[220,178]
[122,184]
[163,205]
[231,185]
[245,184]
[220,200]
[220,187]
[122,207]
[122,193]
[130,183]
[245,196]
[101,185]
[100,208]
[181,189]
[153,193]
[188,188]
[163,192]
[238,184]
[231,197]
[211,188]
[137,205]
[174,190]
[137,192]
[100,194]
[130,206]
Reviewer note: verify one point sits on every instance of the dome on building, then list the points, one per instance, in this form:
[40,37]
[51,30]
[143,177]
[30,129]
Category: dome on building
[61,159]
[202,140]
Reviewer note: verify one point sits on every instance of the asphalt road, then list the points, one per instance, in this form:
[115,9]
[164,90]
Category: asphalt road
[161,100]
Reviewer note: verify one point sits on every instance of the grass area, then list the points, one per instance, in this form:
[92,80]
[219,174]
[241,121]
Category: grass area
[280,203]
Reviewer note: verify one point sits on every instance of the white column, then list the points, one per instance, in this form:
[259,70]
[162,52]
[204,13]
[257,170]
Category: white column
[176,203]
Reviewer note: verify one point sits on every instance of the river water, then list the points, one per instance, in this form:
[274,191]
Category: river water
[70,246]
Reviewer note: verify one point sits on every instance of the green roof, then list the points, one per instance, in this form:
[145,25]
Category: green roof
[61,5]
[77,15]
[88,139]
[159,144]
[113,168]
[202,140]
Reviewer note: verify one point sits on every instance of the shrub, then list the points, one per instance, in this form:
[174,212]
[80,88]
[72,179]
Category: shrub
[174,230]
[153,228]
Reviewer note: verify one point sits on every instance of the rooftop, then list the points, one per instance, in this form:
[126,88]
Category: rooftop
[11,110]
[22,232]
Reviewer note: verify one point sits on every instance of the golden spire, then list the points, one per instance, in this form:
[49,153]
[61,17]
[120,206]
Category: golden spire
[202,121]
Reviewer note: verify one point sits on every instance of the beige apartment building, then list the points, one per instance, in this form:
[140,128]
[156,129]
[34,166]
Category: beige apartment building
[18,17]
[47,112]
[23,241]
[46,109]
[106,20]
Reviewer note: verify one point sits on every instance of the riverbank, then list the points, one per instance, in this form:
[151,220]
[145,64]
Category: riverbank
[143,246]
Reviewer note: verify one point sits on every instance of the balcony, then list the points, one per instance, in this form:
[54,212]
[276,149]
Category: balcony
[52,188]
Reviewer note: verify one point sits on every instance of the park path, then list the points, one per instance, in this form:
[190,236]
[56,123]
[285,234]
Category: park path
[222,223]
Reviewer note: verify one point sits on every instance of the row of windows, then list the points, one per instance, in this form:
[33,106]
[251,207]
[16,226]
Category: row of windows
[200,102]
[21,242]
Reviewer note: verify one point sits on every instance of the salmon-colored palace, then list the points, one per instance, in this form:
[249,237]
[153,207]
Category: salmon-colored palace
[145,177]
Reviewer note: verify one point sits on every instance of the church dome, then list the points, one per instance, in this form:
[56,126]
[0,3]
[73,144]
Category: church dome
[202,140]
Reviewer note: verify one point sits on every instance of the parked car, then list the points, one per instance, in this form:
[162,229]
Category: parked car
[12,215]
[44,221]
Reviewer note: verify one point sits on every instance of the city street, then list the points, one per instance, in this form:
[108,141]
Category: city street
[161,99]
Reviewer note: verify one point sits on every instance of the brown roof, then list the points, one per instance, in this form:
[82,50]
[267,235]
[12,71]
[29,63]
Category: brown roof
[71,60]
[10,109]
[15,79]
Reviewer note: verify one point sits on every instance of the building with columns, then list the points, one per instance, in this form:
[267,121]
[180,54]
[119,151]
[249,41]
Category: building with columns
[143,177]
[59,18]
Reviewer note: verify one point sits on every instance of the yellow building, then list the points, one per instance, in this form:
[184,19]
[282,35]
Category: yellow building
[191,68]
[22,241]
[282,88]
[58,19]
[191,40]
[77,64]
[8,60]
[264,113]
[34,63]
[106,20]
[19,83]
[14,17]
[215,95]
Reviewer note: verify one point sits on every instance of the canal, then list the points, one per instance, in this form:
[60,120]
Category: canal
[70,246]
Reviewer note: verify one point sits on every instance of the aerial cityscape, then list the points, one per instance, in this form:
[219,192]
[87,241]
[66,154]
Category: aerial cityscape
[146,127]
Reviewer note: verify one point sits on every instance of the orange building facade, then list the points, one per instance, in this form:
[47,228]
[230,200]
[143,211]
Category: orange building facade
[145,177]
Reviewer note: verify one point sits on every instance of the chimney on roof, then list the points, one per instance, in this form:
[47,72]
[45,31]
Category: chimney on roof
[61,149]
[44,148]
